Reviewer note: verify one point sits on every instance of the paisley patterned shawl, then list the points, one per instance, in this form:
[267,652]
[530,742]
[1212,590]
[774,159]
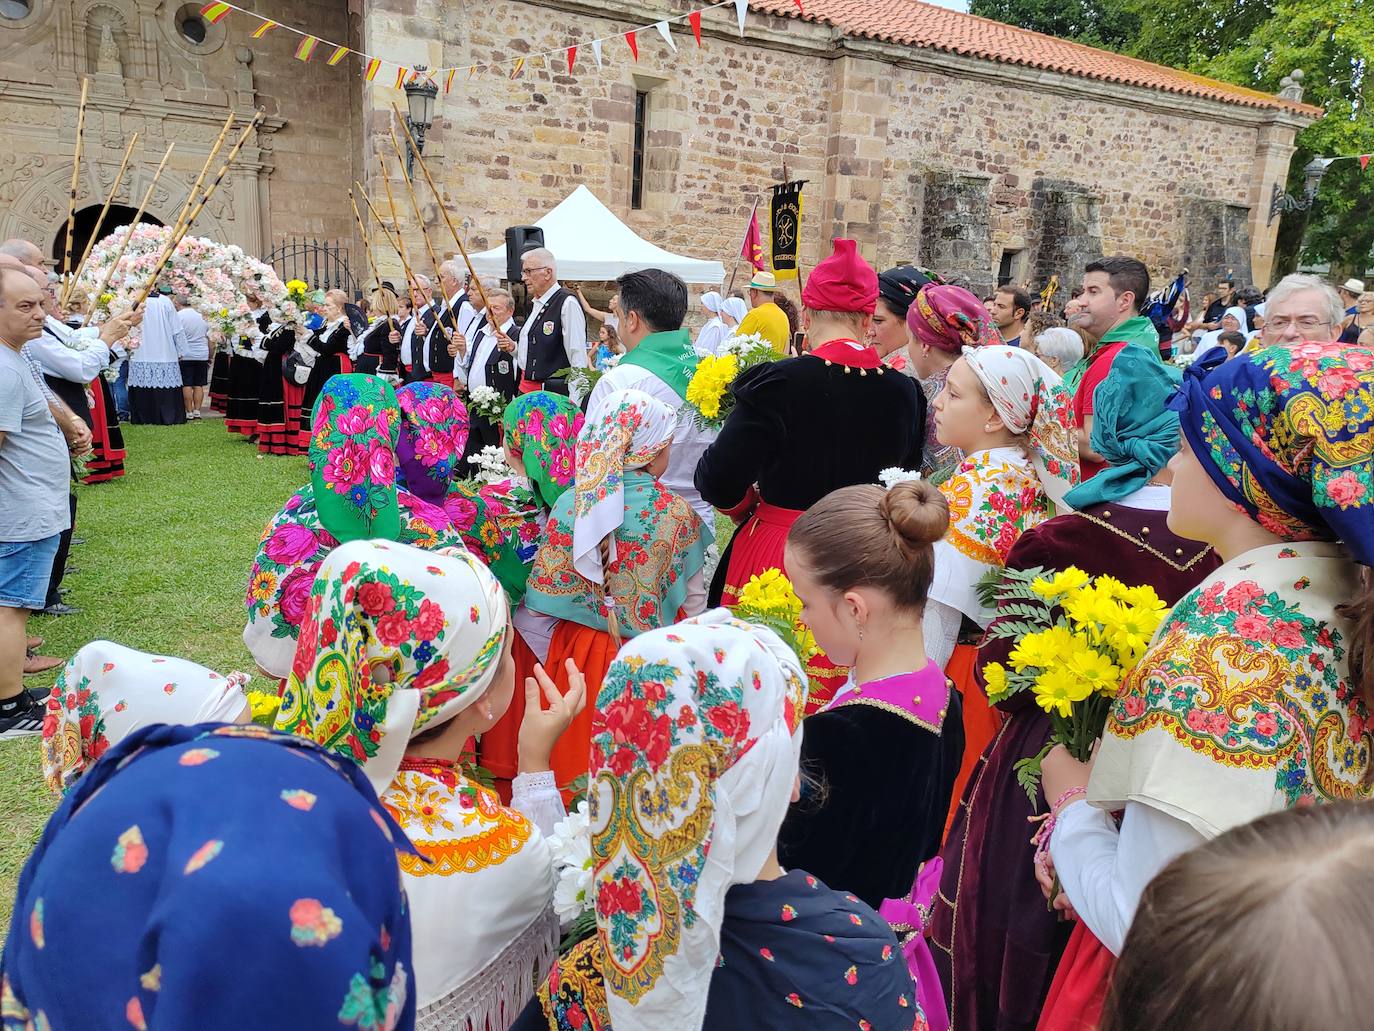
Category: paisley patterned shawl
[543,428]
[695,746]
[437,620]
[1287,434]
[353,435]
[289,555]
[434,432]
[994,496]
[658,548]
[1243,705]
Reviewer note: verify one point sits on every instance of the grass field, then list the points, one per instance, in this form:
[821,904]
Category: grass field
[167,553]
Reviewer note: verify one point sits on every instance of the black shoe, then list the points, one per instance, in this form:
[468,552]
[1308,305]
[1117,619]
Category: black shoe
[78,540]
[71,570]
[61,608]
[39,695]
[24,719]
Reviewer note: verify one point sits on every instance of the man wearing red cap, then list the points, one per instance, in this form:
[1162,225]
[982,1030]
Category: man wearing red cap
[803,427]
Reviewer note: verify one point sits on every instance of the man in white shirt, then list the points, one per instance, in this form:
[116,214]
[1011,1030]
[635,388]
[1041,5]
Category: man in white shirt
[493,363]
[412,357]
[659,360]
[554,337]
[195,356]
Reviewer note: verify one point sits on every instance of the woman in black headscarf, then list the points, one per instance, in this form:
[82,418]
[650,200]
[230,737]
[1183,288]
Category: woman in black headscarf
[897,288]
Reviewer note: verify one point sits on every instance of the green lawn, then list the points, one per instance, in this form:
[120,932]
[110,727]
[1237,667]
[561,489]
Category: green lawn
[167,553]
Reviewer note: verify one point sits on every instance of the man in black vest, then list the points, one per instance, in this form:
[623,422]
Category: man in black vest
[554,336]
[493,363]
[414,333]
[448,339]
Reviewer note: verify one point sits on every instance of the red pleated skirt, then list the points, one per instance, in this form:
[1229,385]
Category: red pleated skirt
[498,751]
[759,546]
[286,438]
[981,720]
[592,651]
[1079,990]
[107,441]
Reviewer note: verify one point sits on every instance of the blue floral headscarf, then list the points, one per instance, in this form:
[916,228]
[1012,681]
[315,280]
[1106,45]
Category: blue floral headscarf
[218,877]
[434,432]
[1287,434]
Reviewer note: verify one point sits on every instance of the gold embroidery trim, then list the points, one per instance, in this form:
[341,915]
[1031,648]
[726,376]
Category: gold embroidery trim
[1145,546]
[896,710]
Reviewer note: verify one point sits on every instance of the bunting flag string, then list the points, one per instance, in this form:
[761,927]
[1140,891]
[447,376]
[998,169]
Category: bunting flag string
[216,12]
[1364,162]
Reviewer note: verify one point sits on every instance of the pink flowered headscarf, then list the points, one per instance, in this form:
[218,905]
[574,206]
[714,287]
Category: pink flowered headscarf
[949,318]
[434,431]
[354,430]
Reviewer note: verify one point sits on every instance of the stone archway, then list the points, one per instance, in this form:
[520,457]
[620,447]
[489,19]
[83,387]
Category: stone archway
[84,226]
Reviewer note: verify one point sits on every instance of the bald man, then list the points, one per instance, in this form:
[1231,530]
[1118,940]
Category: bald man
[25,251]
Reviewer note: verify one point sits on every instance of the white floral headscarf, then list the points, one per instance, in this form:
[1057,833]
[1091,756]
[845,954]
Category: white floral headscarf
[437,618]
[625,430]
[1031,399]
[696,740]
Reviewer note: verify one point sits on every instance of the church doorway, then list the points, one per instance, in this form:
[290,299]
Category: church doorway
[84,225]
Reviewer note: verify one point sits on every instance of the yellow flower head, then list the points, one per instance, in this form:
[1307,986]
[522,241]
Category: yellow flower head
[995,680]
[1057,689]
[713,377]
[1065,582]
[1096,670]
[1040,649]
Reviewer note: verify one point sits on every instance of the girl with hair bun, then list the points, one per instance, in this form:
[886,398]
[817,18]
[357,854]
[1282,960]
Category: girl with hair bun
[881,757]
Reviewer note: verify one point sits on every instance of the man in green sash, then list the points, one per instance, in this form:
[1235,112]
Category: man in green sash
[1107,315]
[659,360]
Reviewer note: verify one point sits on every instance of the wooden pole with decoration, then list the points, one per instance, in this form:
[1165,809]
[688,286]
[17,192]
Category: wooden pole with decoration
[190,219]
[138,218]
[397,244]
[367,250]
[70,283]
[420,160]
[76,177]
[414,202]
[204,171]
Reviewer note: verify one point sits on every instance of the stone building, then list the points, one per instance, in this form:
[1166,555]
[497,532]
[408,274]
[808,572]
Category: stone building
[927,134]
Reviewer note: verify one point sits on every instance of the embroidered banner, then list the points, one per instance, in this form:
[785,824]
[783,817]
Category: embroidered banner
[784,223]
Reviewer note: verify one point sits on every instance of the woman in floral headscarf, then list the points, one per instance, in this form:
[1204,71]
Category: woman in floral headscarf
[352,495]
[403,657]
[1008,414]
[1255,694]
[694,760]
[107,691]
[619,544]
[540,439]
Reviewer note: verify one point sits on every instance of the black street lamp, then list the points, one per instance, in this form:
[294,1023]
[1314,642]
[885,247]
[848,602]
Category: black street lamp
[421,92]
[1280,201]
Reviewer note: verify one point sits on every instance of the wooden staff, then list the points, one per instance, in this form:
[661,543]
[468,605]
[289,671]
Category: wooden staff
[397,244]
[76,176]
[100,221]
[414,202]
[367,250]
[200,206]
[420,160]
[138,218]
[204,171]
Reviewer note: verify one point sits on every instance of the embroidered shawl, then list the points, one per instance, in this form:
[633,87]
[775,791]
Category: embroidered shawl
[106,691]
[1243,705]
[434,432]
[543,427]
[353,435]
[994,496]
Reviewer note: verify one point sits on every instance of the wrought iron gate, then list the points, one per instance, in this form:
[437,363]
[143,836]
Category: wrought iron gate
[324,264]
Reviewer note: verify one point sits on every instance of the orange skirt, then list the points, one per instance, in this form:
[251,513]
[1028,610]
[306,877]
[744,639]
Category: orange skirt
[981,720]
[592,651]
[498,751]
[1080,985]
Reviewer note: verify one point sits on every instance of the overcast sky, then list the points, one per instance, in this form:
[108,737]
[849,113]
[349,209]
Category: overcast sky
[954,5]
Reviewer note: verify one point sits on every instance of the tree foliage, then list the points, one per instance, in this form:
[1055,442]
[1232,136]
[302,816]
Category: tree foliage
[1256,43]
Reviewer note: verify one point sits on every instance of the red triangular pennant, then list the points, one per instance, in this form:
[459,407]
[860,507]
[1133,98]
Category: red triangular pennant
[799,6]
[572,57]
[694,19]
[1364,162]
[634,45]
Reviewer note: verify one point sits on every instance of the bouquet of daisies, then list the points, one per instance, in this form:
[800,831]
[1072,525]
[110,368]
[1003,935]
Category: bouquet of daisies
[709,391]
[490,465]
[487,402]
[768,599]
[573,897]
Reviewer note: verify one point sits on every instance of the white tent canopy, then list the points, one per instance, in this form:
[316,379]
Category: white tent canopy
[592,245]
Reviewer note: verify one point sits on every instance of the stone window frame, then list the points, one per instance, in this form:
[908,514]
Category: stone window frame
[215,35]
[37,9]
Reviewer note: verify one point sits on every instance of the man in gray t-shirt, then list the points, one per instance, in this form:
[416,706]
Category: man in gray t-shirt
[34,469]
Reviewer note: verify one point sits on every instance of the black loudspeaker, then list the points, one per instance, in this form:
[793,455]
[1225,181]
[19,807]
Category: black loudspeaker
[520,239]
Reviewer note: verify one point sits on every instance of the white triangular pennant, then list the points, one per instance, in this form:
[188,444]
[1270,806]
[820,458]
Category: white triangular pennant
[596,51]
[662,27]
[741,6]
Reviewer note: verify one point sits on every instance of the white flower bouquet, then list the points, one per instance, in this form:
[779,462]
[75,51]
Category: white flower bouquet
[487,402]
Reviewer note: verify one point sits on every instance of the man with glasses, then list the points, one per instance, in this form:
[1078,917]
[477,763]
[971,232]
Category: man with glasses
[1301,308]
[554,337]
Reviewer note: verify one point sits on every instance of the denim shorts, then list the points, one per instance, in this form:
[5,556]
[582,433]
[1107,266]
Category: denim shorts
[25,569]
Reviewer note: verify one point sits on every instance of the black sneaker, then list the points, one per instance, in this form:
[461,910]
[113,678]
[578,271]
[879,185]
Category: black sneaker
[24,720]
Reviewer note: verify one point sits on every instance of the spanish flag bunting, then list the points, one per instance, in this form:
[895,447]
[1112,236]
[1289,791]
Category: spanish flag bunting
[448,79]
[472,70]
[263,29]
[401,74]
[519,66]
[694,19]
[572,57]
[337,55]
[634,44]
[215,13]
[374,64]
[306,48]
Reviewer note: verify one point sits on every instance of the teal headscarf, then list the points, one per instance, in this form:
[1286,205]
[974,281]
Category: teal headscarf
[1133,428]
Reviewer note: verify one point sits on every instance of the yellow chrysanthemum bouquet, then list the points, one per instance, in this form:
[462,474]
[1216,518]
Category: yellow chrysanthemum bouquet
[709,390]
[768,599]
[1076,639]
